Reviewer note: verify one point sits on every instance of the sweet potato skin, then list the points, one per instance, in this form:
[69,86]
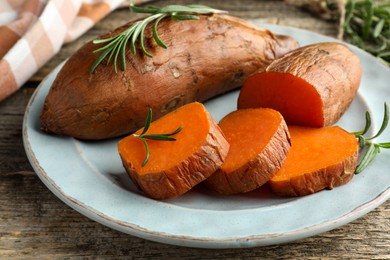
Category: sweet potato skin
[332,68]
[325,178]
[204,58]
[179,179]
[257,171]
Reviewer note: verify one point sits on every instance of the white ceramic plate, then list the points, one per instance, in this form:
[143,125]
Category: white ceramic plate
[89,177]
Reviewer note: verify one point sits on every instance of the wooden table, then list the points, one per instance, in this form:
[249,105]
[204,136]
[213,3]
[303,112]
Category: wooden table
[36,224]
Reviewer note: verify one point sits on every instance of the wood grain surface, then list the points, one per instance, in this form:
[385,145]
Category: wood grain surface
[35,224]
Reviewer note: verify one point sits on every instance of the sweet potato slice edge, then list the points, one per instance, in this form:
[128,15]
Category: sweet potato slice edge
[259,143]
[319,158]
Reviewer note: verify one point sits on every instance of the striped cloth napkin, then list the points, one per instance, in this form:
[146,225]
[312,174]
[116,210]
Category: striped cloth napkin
[33,31]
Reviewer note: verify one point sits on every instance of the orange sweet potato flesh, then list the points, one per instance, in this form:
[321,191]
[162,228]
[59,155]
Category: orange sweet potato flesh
[204,58]
[312,85]
[259,143]
[175,167]
[319,158]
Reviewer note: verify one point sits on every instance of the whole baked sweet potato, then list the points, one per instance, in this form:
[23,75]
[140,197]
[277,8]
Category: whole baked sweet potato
[204,58]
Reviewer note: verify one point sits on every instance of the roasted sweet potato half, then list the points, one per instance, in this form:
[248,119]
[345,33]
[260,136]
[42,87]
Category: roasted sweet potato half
[204,58]
[319,158]
[312,85]
[259,143]
[175,167]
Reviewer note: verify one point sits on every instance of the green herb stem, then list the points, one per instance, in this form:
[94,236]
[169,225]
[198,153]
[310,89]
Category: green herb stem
[115,47]
[367,25]
[371,149]
[158,137]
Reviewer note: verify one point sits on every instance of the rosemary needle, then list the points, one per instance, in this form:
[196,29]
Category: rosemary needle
[114,48]
[367,25]
[159,137]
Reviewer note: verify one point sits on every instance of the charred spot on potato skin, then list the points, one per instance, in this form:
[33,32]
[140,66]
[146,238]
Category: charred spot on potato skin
[149,43]
[102,116]
[172,104]
[322,51]
[195,78]
[238,76]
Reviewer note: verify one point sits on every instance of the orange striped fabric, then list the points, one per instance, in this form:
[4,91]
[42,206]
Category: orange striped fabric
[33,31]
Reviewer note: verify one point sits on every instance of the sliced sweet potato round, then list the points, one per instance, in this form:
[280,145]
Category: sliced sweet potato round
[175,167]
[312,85]
[319,158]
[259,143]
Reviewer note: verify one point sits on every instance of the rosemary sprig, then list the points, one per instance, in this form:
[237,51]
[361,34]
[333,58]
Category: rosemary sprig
[372,149]
[367,25]
[114,48]
[159,137]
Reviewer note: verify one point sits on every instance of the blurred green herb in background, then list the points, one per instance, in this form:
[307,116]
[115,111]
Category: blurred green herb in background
[367,25]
